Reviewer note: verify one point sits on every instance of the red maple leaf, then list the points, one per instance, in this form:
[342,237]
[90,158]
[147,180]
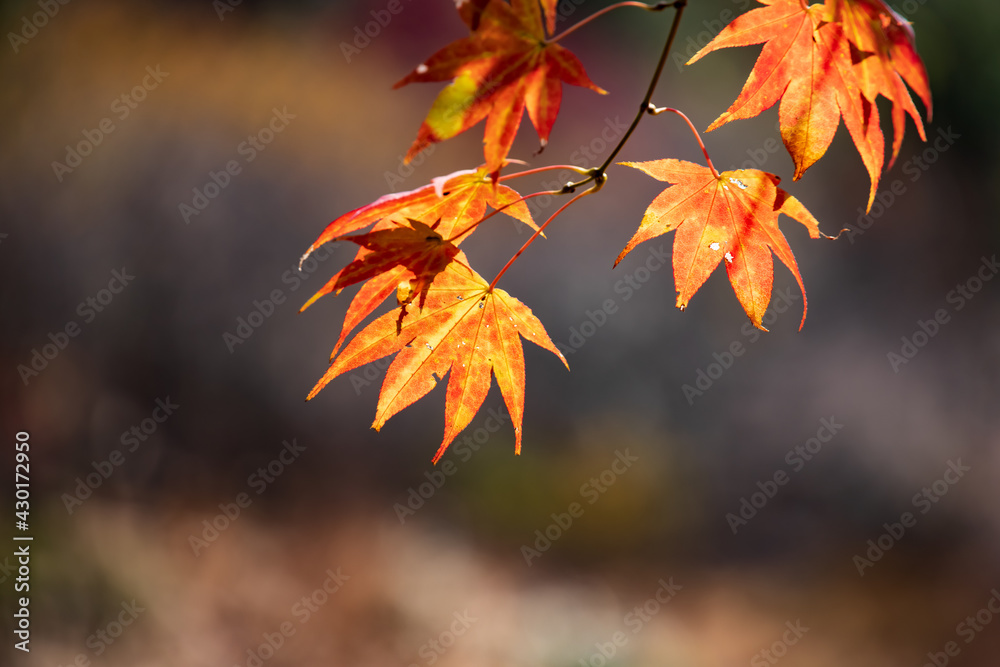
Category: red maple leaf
[467,330]
[416,248]
[806,63]
[884,55]
[730,217]
[505,66]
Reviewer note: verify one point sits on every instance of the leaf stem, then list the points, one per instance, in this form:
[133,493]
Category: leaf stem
[597,186]
[655,111]
[660,6]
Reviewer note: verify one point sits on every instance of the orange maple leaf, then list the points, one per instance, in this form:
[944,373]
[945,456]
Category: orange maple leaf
[504,67]
[452,203]
[730,217]
[466,330]
[806,63]
[884,55]
[457,199]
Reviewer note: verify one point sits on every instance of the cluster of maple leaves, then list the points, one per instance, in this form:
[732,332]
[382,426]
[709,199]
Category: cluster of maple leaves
[823,62]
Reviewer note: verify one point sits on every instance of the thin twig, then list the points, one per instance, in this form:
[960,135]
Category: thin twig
[597,186]
[679,5]
[660,6]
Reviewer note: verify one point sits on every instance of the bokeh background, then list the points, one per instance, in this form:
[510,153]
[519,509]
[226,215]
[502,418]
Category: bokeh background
[119,578]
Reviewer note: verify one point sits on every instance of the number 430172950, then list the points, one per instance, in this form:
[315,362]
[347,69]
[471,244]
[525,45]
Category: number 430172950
[21,481]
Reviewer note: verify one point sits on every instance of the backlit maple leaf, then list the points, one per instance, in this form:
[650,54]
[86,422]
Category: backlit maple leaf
[884,55]
[452,203]
[465,330]
[416,247]
[504,67]
[730,218]
[457,200]
[806,63]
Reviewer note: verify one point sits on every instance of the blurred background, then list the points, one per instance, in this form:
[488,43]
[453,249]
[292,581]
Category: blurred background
[812,500]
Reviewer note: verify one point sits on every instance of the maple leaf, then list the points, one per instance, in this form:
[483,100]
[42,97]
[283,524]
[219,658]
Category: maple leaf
[730,217]
[458,199]
[471,10]
[504,67]
[883,56]
[806,63]
[452,203]
[417,248]
[466,330]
